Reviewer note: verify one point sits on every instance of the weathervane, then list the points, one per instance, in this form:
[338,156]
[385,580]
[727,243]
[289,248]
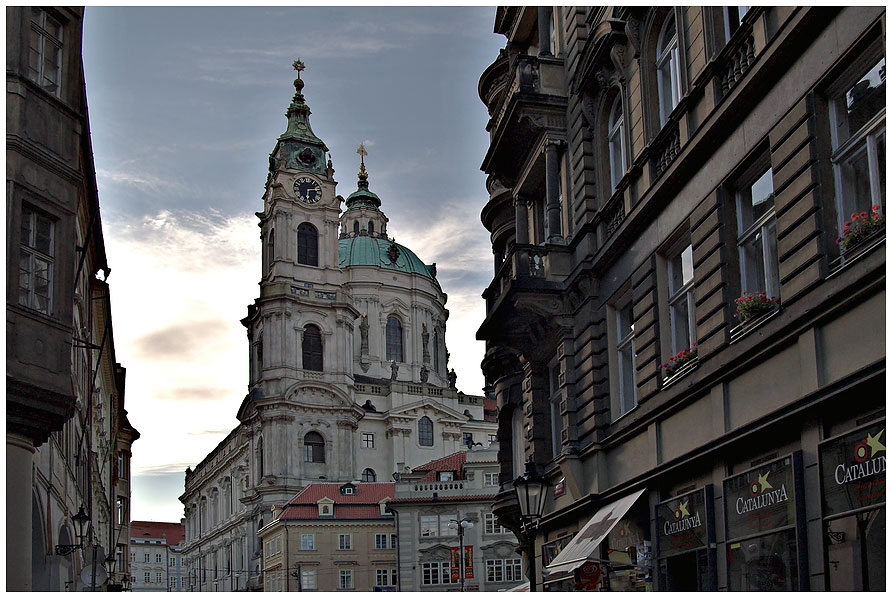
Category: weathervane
[362,154]
[298,66]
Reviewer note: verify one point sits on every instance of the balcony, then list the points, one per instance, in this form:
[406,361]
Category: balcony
[527,288]
[526,96]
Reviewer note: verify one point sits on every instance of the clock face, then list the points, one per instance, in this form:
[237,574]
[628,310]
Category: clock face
[307,190]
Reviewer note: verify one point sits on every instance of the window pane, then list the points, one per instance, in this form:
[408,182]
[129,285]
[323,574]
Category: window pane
[764,564]
[752,269]
[854,170]
[25,280]
[756,200]
[625,324]
[881,163]
[627,379]
[44,235]
[681,270]
[681,330]
[863,100]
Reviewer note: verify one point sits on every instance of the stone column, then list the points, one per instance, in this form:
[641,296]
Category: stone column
[19,460]
[544,31]
[553,191]
[521,224]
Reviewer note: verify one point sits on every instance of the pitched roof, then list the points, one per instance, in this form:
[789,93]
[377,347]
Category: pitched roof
[365,504]
[367,493]
[173,533]
[454,462]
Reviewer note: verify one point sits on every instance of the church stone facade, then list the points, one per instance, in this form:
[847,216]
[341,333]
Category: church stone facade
[348,363]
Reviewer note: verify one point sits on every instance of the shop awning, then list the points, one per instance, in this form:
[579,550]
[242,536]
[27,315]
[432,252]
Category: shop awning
[586,541]
[524,587]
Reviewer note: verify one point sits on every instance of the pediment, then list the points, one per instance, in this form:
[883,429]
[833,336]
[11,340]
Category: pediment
[442,411]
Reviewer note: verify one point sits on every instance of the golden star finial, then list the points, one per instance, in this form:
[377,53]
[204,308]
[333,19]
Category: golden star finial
[763,481]
[874,443]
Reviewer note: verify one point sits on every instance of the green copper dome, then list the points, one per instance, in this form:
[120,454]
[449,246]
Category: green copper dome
[372,251]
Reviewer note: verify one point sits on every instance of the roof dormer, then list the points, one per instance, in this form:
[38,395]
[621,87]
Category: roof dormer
[326,507]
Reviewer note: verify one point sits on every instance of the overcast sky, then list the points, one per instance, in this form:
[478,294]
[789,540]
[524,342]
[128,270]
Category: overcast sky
[185,107]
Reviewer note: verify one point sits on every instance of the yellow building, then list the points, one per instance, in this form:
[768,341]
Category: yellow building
[331,537]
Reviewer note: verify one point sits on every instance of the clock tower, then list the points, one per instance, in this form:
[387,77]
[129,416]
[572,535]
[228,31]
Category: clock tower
[300,330]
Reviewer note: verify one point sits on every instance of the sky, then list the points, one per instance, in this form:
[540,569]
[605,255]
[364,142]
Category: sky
[185,107]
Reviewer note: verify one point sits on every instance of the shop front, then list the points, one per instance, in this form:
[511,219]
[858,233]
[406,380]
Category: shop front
[685,531]
[853,502]
[765,527]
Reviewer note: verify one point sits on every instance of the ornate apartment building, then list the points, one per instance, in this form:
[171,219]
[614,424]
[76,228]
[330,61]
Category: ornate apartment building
[686,323]
[67,435]
[348,362]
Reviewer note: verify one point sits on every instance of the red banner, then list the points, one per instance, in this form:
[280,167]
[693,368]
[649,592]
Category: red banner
[469,562]
[454,562]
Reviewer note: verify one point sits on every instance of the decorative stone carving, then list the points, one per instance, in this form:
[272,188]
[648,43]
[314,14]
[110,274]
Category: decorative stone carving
[394,370]
[425,339]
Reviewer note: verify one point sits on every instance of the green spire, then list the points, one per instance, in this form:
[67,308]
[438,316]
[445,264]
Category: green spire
[298,115]
[362,197]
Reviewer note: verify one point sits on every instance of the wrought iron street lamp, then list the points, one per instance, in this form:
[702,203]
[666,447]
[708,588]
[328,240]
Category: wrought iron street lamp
[461,526]
[531,489]
[81,519]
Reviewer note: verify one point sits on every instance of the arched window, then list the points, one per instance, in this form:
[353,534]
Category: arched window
[356,227]
[616,144]
[271,248]
[311,348]
[260,459]
[369,475]
[371,227]
[307,245]
[394,338]
[425,431]
[668,69]
[314,448]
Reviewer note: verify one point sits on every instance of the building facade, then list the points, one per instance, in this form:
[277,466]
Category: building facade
[349,376]
[685,327]
[431,502]
[68,437]
[156,562]
[331,537]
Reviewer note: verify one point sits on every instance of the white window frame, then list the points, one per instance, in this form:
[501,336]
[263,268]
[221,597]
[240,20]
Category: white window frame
[30,256]
[308,541]
[147,577]
[490,438]
[503,570]
[345,579]
[762,231]
[625,343]
[681,296]
[380,542]
[307,579]
[491,525]
[616,142]
[668,65]
[490,478]
[436,573]
[345,541]
[847,145]
[382,576]
[49,79]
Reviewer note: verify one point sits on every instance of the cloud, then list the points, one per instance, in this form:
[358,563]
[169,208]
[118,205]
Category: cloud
[184,341]
[193,393]
[166,469]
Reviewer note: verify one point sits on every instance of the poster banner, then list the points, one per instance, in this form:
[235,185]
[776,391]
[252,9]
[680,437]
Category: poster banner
[681,524]
[469,562]
[761,499]
[853,470]
[454,563]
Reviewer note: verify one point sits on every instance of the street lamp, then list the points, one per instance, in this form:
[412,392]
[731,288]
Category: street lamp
[81,519]
[461,525]
[531,489]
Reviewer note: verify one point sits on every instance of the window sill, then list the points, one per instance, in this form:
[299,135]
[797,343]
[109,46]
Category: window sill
[743,329]
[683,371]
[857,252]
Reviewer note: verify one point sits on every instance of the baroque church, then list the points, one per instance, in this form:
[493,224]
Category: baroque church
[349,376]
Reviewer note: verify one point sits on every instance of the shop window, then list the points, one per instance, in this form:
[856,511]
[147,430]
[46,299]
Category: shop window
[616,144]
[314,448]
[36,260]
[368,475]
[858,136]
[757,232]
[425,431]
[668,65]
[311,348]
[307,244]
[394,339]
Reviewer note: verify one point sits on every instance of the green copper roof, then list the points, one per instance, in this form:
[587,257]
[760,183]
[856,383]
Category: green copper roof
[372,251]
[362,197]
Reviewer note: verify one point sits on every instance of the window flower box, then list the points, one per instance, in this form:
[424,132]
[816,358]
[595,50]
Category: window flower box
[750,306]
[679,364]
[861,228]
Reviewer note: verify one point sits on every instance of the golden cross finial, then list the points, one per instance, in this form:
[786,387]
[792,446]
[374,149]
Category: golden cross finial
[298,66]
[362,152]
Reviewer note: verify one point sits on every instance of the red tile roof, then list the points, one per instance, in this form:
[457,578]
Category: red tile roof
[173,533]
[454,462]
[292,512]
[367,493]
[490,409]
